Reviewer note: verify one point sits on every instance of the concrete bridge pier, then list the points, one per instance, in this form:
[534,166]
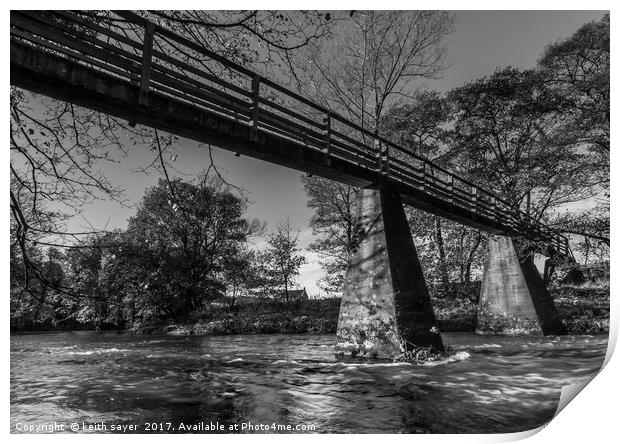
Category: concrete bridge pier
[386,308]
[513,298]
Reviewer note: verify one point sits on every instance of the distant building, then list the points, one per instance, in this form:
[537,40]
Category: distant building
[298,295]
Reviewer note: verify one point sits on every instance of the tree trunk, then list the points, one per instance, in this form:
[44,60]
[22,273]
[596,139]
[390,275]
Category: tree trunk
[233,297]
[548,272]
[286,290]
[470,258]
[462,263]
[442,252]
[37,310]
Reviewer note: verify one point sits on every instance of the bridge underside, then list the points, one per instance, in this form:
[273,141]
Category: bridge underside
[60,78]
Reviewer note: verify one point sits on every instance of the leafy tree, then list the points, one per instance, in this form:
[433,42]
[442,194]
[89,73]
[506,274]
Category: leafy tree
[242,273]
[283,259]
[503,133]
[100,276]
[175,254]
[185,233]
[420,125]
[589,230]
[39,300]
[577,68]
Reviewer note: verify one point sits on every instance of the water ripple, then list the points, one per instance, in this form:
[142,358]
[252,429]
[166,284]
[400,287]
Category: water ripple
[487,384]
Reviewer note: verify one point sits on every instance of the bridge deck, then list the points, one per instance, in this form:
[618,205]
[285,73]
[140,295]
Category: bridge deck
[136,70]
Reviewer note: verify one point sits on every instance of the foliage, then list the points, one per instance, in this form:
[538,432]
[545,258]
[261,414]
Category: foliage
[92,270]
[592,229]
[420,125]
[176,253]
[242,272]
[182,235]
[334,221]
[585,310]
[282,260]
[37,296]
[185,246]
[577,68]
[503,126]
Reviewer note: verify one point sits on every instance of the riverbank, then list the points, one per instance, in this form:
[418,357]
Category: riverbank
[585,310]
[256,316]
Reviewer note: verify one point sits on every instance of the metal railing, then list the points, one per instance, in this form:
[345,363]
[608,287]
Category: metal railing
[129,47]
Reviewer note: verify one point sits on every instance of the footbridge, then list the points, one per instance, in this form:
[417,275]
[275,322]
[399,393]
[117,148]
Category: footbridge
[134,69]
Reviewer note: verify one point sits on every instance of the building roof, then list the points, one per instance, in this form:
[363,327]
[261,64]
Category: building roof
[297,293]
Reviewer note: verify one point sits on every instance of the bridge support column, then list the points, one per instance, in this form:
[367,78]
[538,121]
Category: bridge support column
[386,308]
[514,299]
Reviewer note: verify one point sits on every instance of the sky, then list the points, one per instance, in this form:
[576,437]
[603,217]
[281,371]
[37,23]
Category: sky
[481,42]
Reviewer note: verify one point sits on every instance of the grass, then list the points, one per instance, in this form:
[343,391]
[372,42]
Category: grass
[584,308]
[253,316]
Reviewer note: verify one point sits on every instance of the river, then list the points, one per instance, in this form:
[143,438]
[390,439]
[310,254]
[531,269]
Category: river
[103,379]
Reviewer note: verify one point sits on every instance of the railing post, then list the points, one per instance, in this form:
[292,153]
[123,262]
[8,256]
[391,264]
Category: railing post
[386,159]
[474,199]
[382,150]
[451,190]
[255,107]
[377,146]
[423,187]
[494,205]
[147,57]
[327,131]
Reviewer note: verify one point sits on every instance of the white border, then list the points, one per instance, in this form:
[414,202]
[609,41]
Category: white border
[592,417]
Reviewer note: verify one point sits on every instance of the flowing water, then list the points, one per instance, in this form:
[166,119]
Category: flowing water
[274,382]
